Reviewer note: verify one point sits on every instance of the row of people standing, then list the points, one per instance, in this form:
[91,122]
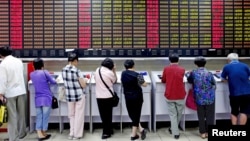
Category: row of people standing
[235,72]
[12,89]
[131,81]
[13,92]
[75,85]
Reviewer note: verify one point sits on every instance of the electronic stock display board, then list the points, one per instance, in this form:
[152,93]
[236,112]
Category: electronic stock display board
[126,27]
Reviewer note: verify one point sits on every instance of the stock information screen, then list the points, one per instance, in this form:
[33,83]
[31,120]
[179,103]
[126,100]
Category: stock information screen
[125,24]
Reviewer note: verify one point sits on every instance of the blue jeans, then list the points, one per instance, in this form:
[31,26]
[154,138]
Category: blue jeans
[42,118]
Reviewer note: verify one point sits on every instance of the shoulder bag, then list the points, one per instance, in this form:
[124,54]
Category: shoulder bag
[54,104]
[190,101]
[115,98]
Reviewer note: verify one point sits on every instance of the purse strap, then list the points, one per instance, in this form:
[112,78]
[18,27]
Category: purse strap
[47,81]
[104,82]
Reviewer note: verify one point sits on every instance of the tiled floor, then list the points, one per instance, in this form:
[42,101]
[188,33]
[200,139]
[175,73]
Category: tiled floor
[191,134]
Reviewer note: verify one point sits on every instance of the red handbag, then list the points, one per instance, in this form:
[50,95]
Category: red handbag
[190,102]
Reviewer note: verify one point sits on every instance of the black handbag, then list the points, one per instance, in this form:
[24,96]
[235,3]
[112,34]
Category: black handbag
[115,98]
[54,104]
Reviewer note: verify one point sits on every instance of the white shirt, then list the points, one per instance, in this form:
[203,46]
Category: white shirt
[12,77]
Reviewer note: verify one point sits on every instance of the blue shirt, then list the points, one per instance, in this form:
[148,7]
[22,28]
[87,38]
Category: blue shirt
[203,86]
[237,74]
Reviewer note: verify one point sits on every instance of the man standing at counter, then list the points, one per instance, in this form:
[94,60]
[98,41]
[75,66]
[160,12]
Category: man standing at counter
[12,87]
[175,92]
[237,74]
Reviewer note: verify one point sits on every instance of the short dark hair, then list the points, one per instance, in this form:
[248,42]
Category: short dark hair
[38,63]
[108,63]
[5,50]
[72,56]
[129,64]
[200,61]
[173,57]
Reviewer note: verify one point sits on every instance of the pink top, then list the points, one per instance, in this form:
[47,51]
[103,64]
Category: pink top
[109,78]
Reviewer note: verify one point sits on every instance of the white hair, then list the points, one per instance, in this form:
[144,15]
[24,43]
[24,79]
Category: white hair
[232,56]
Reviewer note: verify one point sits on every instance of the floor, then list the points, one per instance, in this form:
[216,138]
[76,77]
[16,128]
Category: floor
[162,134]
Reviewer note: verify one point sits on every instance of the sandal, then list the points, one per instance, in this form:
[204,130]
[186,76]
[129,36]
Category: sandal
[203,136]
[206,135]
[143,134]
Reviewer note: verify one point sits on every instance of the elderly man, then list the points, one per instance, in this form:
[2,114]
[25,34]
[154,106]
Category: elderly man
[237,74]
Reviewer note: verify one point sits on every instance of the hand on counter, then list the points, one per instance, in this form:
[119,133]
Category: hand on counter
[58,80]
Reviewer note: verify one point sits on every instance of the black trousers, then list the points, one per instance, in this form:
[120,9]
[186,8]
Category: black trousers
[206,116]
[134,107]
[105,110]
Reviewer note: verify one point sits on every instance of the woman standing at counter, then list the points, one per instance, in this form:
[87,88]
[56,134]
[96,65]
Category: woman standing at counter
[43,97]
[74,84]
[204,95]
[132,82]
[103,95]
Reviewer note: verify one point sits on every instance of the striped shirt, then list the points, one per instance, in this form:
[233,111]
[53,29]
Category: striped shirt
[71,75]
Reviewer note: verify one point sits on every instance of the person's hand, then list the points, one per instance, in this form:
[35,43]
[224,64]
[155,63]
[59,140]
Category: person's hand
[86,79]
[114,68]
[58,80]
[2,98]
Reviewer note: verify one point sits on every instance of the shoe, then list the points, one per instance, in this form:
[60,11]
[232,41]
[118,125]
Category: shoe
[76,138]
[70,137]
[44,138]
[105,136]
[143,134]
[48,136]
[203,136]
[206,135]
[134,138]
[169,130]
[23,136]
[180,128]
[112,132]
[176,136]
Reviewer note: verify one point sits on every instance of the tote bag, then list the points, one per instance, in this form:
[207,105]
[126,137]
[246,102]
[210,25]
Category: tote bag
[3,113]
[190,101]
